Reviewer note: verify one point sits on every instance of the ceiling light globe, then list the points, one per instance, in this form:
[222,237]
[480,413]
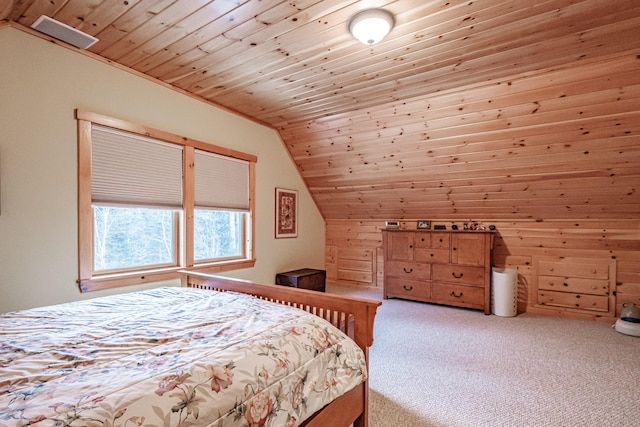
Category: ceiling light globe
[371,26]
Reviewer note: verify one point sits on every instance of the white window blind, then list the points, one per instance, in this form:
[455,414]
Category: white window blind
[221,182]
[128,168]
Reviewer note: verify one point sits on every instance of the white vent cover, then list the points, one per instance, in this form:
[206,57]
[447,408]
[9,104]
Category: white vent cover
[60,31]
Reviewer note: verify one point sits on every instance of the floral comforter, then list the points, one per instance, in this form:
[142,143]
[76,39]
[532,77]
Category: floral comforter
[169,357]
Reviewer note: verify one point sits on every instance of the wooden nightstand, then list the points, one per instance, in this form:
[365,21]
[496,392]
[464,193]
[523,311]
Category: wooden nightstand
[305,278]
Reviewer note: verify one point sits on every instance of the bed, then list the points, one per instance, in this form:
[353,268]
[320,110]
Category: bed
[189,356]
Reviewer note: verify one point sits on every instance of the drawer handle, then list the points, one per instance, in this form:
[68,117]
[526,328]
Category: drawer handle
[457,277]
[405,270]
[453,294]
[407,288]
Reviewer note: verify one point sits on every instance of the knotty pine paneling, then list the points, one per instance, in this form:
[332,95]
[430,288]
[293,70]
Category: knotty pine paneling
[283,63]
[560,143]
[516,244]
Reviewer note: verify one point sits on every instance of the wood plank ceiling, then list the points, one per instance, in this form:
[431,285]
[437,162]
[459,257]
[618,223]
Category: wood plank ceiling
[422,124]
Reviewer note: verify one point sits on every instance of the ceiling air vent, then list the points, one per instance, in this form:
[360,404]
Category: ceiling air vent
[63,32]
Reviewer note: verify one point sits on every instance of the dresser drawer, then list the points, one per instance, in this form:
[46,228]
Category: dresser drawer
[593,269]
[408,289]
[573,284]
[431,255]
[408,270]
[422,240]
[458,274]
[571,300]
[467,296]
[440,240]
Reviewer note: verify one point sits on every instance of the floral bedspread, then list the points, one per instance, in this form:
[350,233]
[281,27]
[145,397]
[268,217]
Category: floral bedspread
[168,357]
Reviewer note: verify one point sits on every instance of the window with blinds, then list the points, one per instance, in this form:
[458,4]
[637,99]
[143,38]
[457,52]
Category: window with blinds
[151,203]
[132,169]
[221,199]
[221,182]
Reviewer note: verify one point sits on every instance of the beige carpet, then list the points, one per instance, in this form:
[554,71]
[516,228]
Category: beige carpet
[438,366]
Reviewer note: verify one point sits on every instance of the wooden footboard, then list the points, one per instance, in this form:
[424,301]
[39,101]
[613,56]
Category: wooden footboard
[354,316]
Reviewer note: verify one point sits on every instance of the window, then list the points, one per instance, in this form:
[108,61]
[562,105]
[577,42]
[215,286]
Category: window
[132,238]
[217,235]
[151,203]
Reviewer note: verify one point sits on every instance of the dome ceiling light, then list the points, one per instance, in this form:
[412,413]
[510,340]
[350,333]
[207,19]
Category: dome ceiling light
[371,25]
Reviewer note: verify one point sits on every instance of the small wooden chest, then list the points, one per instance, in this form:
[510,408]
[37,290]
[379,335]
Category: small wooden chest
[305,278]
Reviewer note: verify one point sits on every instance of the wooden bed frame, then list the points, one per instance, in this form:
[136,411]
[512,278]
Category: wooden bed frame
[354,316]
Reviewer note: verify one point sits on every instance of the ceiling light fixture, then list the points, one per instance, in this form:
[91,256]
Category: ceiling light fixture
[371,25]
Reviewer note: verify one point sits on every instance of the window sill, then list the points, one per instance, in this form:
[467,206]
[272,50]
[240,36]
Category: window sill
[222,266]
[119,280]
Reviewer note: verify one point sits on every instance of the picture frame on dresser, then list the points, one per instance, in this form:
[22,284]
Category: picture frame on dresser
[286,213]
[423,224]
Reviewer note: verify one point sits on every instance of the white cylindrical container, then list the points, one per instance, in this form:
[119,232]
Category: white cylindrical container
[504,291]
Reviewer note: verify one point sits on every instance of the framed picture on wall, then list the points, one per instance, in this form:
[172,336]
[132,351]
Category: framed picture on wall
[286,213]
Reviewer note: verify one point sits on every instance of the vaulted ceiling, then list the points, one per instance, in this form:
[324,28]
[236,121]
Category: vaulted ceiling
[468,109]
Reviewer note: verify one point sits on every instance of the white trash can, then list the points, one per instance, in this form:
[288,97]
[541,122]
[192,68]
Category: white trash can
[504,291]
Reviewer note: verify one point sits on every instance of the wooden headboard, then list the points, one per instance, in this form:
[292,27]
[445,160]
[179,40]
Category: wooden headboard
[354,316]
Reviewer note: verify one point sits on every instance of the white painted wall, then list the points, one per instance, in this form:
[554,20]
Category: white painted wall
[41,86]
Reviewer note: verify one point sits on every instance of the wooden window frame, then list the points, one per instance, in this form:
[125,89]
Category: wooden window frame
[90,282]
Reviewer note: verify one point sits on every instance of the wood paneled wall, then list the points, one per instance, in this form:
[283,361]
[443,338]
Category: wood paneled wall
[552,158]
[516,244]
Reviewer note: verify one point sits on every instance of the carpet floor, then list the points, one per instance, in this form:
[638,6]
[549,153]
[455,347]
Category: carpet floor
[438,366]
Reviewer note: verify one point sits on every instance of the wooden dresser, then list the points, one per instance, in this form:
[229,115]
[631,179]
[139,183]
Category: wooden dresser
[444,267]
